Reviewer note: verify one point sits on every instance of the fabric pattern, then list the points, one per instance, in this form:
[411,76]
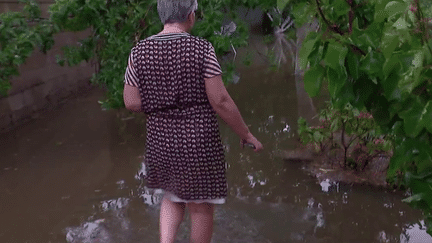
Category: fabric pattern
[184,153]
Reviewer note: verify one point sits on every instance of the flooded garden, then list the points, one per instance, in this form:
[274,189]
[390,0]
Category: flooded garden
[74,175]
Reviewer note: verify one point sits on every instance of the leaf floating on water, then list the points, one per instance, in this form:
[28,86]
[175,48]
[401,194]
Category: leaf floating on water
[326,170]
[127,118]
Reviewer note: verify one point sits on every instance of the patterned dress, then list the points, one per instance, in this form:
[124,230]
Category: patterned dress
[184,153]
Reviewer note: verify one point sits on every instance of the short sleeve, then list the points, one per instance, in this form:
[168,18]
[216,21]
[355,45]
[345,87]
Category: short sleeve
[131,75]
[211,64]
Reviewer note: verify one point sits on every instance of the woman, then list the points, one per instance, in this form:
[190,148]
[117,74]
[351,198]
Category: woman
[175,79]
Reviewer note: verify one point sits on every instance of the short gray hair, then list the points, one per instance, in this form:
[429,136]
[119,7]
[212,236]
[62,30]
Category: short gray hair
[175,11]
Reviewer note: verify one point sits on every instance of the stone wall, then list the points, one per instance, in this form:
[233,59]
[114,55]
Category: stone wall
[42,82]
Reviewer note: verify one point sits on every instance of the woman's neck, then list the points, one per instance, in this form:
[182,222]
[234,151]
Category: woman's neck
[174,28]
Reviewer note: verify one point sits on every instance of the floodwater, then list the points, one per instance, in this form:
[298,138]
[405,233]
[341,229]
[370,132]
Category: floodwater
[73,175]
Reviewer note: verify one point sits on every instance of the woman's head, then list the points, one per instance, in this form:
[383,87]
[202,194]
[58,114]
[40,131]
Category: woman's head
[176,11]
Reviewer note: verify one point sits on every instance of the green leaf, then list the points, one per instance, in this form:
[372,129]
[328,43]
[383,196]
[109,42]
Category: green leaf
[403,154]
[395,8]
[380,14]
[401,24]
[424,160]
[341,8]
[335,56]
[316,55]
[281,4]
[379,108]
[372,64]
[313,79]
[345,94]
[363,89]
[420,184]
[366,40]
[413,199]
[305,51]
[317,136]
[411,78]
[411,17]
[426,116]
[353,62]
[389,44]
[303,13]
[412,116]
[390,83]
[418,59]
[336,81]
[391,64]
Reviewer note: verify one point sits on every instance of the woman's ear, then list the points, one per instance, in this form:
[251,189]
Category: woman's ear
[191,16]
[191,19]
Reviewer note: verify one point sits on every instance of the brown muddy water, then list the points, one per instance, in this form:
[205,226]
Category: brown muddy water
[73,175]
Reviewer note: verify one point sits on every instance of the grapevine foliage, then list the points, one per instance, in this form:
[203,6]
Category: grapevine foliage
[377,55]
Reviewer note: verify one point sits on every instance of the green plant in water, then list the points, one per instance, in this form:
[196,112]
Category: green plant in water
[350,131]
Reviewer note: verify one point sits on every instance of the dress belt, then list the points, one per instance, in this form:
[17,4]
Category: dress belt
[178,111]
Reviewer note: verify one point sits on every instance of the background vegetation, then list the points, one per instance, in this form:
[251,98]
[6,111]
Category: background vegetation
[377,55]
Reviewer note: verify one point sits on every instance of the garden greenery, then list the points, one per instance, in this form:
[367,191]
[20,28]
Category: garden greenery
[115,27]
[20,34]
[353,132]
[377,55]
[372,54]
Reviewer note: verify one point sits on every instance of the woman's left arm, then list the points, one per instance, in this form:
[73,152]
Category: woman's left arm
[131,94]
[132,98]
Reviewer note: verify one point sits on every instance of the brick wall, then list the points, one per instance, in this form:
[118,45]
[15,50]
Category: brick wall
[42,82]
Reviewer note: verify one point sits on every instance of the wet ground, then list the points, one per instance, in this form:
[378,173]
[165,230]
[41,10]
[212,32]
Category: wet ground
[72,175]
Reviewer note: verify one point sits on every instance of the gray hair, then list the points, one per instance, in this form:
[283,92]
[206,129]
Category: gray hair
[175,11]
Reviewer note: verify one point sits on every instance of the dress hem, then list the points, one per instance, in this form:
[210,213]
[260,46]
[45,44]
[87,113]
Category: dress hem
[173,198]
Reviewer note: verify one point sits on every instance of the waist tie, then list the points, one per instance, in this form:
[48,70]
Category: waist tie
[183,112]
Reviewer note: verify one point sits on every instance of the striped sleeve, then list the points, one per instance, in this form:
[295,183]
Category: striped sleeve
[211,64]
[131,76]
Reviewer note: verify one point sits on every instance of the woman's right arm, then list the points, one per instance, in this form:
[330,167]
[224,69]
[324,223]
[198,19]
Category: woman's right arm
[225,107]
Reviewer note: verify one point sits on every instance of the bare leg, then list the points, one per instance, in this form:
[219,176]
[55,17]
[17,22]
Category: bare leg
[171,215]
[201,215]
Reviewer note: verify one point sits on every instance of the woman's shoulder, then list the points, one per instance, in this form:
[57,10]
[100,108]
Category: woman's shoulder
[201,40]
[179,37]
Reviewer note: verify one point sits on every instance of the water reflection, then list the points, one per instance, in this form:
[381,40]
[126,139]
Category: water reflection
[328,186]
[415,233]
[88,232]
[151,197]
[114,227]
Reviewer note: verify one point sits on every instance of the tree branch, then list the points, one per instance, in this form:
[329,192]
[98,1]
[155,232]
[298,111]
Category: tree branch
[350,16]
[357,50]
[336,29]
[332,27]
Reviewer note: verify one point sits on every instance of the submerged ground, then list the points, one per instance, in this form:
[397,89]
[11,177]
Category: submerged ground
[72,175]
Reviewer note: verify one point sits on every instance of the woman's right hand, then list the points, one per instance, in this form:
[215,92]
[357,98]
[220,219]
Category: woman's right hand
[251,140]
